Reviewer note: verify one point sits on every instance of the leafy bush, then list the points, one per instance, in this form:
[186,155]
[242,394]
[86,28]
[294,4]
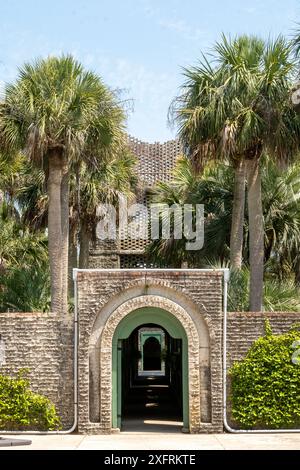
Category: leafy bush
[238,291]
[21,409]
[24,268]
[278,296]
[25,289]
[265,384]
[281,296]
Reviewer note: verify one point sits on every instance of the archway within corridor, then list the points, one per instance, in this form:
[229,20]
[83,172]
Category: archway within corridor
[151,378]
[150,372]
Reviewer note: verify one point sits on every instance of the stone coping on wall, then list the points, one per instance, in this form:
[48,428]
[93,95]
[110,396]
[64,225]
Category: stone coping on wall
[30,314]
[262,314]
[132,273]
[230,314]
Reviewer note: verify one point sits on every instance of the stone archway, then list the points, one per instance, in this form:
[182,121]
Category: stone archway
[126,326]
[195,296]
[106,348]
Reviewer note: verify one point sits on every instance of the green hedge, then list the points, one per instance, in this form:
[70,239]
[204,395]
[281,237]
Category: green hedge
[265,385]
[21,409]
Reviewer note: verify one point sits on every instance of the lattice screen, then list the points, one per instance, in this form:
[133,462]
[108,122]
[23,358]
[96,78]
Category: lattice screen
[132,261]
[155,163]
[128,243]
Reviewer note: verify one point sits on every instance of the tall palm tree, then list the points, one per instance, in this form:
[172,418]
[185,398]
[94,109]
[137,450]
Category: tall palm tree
[213,188]
[281,204]
[56,112]
[103,185]
[89,187]
[237,109]
[202,113]
[11,167]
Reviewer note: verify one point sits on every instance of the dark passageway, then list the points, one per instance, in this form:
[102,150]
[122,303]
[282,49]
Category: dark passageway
[151,379]
[152,354]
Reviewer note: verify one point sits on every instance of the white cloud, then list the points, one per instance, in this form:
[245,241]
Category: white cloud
[182,27]
[172,22]
[249,10]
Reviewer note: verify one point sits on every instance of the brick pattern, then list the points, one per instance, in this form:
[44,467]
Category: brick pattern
[245,327]
[193,359]
[155,161]
[202,293]
[44,344]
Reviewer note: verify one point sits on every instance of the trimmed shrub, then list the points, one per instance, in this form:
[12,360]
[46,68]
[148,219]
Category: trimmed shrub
[21,409]
[265,384]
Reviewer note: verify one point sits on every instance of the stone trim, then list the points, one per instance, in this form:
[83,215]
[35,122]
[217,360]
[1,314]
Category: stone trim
[193,355]
[102,292]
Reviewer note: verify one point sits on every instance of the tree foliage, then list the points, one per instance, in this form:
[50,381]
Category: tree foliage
[265,384]
[21,409]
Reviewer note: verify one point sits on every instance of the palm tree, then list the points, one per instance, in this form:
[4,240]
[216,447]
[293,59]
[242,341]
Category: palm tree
[202,112]
[281,206]
[89,187]
[56,112]
[239,109]
[104,185]
[214,188]
[11,167]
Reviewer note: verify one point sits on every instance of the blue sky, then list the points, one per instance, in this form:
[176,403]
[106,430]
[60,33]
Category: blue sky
[138,46]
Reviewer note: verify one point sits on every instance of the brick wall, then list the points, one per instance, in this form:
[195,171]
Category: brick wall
[43,343]
[104,254]
[100,293]
[245,327]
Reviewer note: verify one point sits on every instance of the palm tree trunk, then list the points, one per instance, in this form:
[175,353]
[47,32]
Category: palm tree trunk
[85,237]
[73,257]
[297,272]
[256,235]
[54,229]
[65,232]
[237,221]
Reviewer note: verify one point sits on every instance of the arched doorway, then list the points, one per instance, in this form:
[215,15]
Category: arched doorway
[138,366]
[152,360]
[104,356]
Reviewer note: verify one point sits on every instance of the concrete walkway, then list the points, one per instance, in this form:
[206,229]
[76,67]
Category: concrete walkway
[153,441]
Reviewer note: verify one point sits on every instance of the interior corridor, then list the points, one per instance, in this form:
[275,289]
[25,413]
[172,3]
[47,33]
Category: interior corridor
[151,380]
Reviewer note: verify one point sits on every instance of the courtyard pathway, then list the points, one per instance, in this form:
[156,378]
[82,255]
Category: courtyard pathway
[157,440]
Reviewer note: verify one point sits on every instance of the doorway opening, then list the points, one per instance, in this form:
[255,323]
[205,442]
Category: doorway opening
[151,379]
[150,373]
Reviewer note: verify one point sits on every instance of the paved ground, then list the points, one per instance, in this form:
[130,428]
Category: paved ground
[156,440]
